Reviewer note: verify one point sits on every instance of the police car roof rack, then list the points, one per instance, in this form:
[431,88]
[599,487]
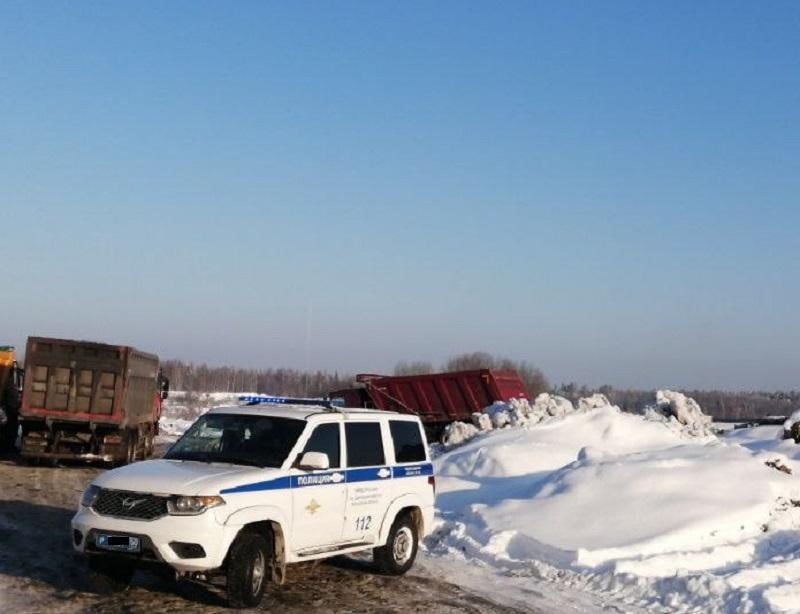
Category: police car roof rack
[263,399]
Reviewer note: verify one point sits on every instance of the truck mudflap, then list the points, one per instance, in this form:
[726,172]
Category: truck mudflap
[107,458]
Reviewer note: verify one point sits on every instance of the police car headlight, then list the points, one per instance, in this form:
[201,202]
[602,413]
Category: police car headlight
[191,506]
[89,495]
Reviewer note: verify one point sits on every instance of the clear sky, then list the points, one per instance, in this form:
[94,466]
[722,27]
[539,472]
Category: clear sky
[610,190]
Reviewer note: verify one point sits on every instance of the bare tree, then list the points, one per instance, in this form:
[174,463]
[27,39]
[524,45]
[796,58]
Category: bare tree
[534,380]
[414,367]
[191,377]
[470,360]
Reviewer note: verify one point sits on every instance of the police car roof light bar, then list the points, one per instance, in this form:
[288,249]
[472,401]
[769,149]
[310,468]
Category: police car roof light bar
[261,399]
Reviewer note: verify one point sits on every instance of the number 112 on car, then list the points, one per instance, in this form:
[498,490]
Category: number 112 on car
[363,523]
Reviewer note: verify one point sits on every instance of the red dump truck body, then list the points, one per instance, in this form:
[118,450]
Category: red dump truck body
[89,400]
[437,398]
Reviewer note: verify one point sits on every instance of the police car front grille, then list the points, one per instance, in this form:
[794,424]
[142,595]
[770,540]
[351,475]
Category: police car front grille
[126,504]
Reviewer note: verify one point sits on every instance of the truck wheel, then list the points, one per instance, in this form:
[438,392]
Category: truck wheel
[397,556]
[248,569]
[109,575]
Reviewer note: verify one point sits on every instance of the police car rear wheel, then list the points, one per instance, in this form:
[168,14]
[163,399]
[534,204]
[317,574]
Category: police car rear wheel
[248,569]
[398,555]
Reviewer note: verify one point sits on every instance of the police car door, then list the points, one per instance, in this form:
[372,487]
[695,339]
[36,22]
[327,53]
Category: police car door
[318,497]
[368,480]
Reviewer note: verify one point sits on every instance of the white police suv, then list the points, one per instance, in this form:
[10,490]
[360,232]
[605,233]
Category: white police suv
[251,488]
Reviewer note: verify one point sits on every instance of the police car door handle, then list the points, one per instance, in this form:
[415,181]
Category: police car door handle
[384,473]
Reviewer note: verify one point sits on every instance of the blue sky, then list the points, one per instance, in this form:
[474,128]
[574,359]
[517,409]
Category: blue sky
[607,190]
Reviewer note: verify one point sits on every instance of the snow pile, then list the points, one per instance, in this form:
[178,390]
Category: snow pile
[518,412]
[792,420]
[661,504]
[482,421]
[791,428]
[593,402]
[457,433]
[681,413]
[611,501]
[550,445]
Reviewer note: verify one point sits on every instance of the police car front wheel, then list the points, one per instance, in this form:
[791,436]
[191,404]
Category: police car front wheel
[398,555]
[248,569]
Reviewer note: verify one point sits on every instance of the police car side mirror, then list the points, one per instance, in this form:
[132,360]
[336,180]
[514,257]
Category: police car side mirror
[311,461]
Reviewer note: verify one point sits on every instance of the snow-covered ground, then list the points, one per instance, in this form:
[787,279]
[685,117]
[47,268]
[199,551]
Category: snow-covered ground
[653,513]
[640,512]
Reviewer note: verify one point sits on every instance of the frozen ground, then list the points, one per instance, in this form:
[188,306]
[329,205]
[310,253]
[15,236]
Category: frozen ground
[40,573]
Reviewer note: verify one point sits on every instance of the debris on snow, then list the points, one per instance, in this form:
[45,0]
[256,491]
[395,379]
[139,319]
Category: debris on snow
[777,464]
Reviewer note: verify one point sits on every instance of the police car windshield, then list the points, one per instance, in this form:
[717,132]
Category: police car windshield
[258,441]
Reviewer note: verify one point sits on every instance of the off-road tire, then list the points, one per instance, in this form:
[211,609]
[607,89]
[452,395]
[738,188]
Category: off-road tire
[397,556]
[249,552]
[109,575]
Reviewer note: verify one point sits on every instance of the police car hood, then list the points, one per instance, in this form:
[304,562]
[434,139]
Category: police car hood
[175,477]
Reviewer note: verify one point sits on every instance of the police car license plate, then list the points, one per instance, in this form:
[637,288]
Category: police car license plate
[118,543]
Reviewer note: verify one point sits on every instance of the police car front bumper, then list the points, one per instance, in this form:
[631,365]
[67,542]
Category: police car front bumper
[186,543]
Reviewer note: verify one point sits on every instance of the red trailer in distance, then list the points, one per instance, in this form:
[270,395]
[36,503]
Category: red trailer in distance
[437,398]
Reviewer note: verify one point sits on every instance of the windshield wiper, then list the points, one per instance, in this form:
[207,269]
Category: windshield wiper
[213,458]
[200,458]
[236,461]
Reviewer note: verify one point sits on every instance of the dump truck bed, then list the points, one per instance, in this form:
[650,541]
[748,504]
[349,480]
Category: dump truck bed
[81,381]
[438,398]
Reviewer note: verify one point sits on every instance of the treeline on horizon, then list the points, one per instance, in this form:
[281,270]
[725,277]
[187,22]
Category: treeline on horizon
[722,405]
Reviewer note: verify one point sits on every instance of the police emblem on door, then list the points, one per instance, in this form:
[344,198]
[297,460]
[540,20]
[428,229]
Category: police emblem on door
[312,507]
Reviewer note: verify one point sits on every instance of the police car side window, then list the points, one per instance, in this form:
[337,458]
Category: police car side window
[364,444]
[407,439]
[325,439]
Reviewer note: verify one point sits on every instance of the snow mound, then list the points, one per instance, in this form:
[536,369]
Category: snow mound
[547,404]
[791,428]
[551,445]
[482,421]
[792,420]
[593,402]
[672,500]
[619,502]
[681,413]
[457,433]
[518,412]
